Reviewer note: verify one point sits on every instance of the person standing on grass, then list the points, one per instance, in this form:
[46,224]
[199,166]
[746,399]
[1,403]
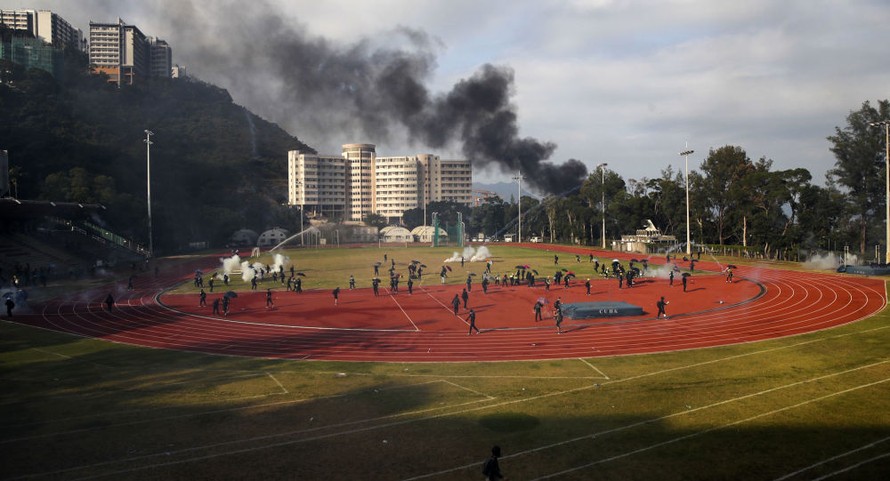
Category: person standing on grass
[443,274]
[351,282]
[455,303]
[466,297]
[336,294]
[210,282]
[298,285]
[661,305]
[491,469]
[471,318]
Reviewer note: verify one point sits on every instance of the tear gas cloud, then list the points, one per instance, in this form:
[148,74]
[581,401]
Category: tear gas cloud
[470,255]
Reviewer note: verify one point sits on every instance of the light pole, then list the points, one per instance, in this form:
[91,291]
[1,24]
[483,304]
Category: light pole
[518,178]
[686,153]
[301,196]
[602,168]
[148,142]
[886,125]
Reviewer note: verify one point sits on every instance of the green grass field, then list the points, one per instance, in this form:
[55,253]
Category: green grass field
[815,406]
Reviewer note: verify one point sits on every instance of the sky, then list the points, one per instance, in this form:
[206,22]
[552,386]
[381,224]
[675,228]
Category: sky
[576,83]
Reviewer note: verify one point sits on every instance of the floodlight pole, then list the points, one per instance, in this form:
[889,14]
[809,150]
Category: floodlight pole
[518,179]
[602,168]
[148,142]
[686,153]
[886,125]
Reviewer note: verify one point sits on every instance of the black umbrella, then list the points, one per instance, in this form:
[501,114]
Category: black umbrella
[732,266]
[686,274]
[519,267]
[570,276]
[473,274]
[534,272]
[423,265]
[564,269]
[415,262]
[378,264]
[634,260]
[301,274]
[230,294]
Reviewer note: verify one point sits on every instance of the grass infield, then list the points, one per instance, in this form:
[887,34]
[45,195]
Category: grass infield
[813,406]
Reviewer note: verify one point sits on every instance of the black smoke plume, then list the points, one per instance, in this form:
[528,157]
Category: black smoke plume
[373,89]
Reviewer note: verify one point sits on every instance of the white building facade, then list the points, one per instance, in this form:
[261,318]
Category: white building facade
[45,25]
[359,183]
[125,54]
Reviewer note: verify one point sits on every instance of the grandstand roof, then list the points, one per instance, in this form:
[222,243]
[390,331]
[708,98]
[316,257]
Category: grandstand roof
[11,208]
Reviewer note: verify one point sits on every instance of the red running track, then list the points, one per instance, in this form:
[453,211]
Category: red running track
[760,304]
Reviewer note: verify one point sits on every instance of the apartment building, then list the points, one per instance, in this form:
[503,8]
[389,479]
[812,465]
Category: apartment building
[161,58]
[46,26]
[126,54]
[358,183]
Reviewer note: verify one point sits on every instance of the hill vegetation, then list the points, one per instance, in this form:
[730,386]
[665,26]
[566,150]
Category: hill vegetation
[215,166]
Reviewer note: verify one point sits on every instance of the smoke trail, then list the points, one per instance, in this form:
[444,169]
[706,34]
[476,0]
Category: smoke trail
[376,88]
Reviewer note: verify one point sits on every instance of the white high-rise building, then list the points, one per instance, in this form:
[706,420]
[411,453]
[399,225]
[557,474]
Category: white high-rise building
[359,183]
[125,54]
[45,25]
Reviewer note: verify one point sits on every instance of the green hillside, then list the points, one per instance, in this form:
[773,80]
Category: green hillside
[215,166]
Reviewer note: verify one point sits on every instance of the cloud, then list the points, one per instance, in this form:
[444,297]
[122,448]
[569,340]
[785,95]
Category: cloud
[621,81]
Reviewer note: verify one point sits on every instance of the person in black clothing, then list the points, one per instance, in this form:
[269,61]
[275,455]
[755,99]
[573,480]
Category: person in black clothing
[491,469]
[538,308]
[685,281]
[472,320]
[203,299]
[10,305]
[216,306]
[336,294]
[587,285]
[466,297]
[269,303]
[660,305]
[298,285]
[410,286]
[210,283]
[455,303]
[109,301]
[375,284]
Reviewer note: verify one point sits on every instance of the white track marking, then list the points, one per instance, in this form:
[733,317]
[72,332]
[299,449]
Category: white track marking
[594,368]
[833,458]
[279,383]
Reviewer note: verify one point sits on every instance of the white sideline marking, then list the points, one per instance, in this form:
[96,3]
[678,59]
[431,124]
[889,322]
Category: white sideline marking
[279,383]
[269,436]
[657,419]
[716,428]
[850,468]
[594,368]
[834,458]
[405,313]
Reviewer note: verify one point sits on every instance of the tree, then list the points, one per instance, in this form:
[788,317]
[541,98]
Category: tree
[376,220]
[860,167]
[723,188]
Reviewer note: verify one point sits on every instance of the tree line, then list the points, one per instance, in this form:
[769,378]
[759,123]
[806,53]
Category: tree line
[733,201]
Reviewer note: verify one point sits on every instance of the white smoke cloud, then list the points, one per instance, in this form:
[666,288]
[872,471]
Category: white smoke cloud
[470,255]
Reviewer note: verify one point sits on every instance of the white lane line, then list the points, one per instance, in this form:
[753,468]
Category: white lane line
[594,368]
